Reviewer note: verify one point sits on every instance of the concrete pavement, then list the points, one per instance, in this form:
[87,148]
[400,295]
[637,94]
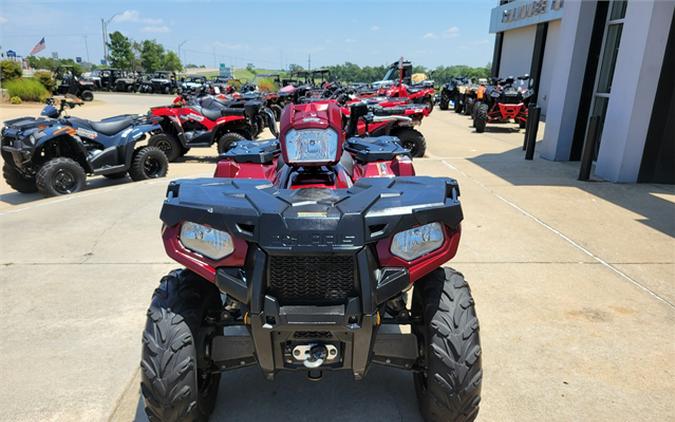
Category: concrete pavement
[574,285]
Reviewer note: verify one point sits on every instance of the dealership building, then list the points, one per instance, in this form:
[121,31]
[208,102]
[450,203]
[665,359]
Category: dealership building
[604,75]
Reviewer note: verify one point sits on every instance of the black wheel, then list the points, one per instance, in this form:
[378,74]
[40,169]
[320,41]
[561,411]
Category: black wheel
[17,181]
[522,123]
[168,144]
[119,175]
[148,163]
[480,120]
[468,106]
[277,111]
[448,387]
[430,103]
[87,95]
[130,88]
[458,104]
[60,176]
[175,379]
[412,140]
[444,104]
[226,141]
[476,106]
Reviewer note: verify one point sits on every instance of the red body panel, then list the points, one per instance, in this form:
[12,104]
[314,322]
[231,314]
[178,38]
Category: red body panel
[232,169]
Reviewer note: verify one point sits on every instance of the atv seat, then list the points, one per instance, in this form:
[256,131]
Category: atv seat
[108,127]
[112,126]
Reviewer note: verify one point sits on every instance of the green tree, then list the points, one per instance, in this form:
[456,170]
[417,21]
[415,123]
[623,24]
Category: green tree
[171,62]
[152,53]
[121,55]
[9,69]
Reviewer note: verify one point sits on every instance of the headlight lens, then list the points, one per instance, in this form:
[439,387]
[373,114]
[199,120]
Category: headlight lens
[211,243]
[412,244]
[311,145]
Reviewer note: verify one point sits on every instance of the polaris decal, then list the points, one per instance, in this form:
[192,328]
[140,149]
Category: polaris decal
[86,133]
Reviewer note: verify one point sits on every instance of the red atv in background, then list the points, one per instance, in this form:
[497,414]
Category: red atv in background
[397,83]
[201,121]
[503,102]
[301,255]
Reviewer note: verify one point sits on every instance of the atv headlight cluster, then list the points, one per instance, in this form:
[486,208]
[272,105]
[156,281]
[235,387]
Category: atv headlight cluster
[311,145]
[207,241]
[412,244]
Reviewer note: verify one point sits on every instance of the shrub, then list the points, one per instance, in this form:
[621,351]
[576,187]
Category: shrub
[27,89]
[266,85]
[9,69]
[15,100]
[46,79]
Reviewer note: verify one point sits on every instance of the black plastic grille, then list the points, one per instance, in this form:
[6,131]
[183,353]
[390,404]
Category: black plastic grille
[309,280]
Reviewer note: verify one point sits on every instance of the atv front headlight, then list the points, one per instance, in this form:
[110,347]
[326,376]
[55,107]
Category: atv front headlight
[311,145]
[412,244]
[207,241]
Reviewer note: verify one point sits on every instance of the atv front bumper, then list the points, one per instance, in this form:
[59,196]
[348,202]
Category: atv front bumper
[312,267]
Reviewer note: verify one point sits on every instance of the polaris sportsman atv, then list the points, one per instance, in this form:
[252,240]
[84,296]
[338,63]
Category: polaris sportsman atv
[504,102]
[193,121]
[53,155]
[318,252]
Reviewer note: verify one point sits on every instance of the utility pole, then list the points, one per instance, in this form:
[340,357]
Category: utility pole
[86,47]
[182,43]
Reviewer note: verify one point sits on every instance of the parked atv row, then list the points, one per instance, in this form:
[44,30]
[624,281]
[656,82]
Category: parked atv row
[502,101]
[319,251]
[201,120]
[53,154]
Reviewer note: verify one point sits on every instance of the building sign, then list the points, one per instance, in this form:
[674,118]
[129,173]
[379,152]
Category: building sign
[521,13]
[11,54]
[224,71]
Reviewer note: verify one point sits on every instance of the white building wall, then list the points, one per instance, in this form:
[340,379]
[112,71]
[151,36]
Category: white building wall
[638,66]
[567,77]
[550,52]
[517,48]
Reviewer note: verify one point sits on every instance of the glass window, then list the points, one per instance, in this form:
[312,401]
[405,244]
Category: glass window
[599,111]
[609,58]
[618,10]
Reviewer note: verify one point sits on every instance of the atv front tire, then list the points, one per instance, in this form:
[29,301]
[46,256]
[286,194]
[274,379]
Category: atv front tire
[468,106]
[175,380]
[60,176]
[168,144]
[480,120]
[444,104]
[412,140]
[18,181]
[148,163]
[449,386]
[227,141]
[87,95]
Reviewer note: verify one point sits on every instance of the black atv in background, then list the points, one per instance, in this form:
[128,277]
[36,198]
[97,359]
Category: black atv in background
[70,84]
[53,154]
[160,82]
[453,91]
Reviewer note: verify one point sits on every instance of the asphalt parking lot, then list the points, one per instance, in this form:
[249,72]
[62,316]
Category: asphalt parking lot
[574,285]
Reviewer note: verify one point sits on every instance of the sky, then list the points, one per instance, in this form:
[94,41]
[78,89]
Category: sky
[269,34]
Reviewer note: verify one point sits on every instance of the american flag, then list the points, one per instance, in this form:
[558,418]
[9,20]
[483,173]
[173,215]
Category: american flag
[38,47]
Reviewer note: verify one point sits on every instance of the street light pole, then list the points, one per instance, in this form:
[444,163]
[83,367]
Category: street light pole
[104,29]
[180,57]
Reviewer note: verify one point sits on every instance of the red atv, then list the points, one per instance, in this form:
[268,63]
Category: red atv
[302,255]
[503,102]
[201,121]
[397,83]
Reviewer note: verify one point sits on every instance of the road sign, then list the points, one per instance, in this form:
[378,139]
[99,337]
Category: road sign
[225,71]
[11,54]
[78,59]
